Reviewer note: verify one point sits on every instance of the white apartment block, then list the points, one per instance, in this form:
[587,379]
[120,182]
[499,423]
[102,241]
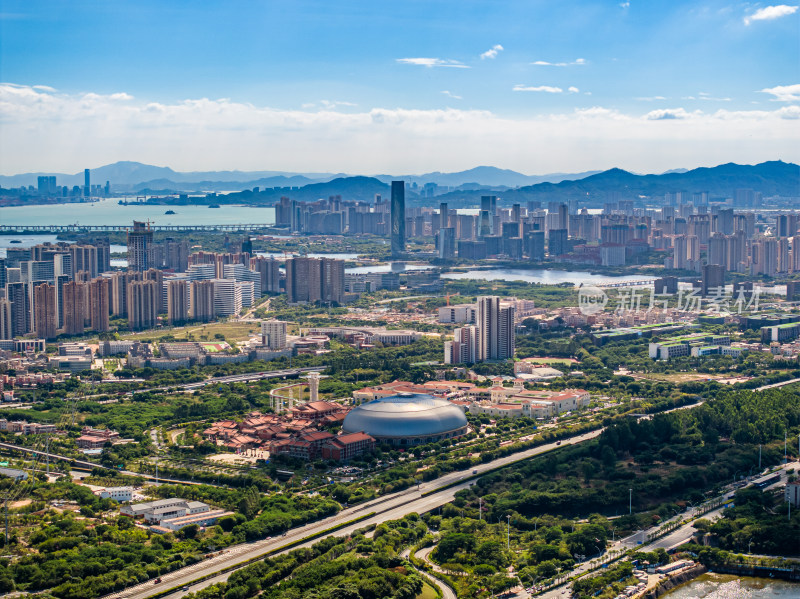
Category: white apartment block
[273,334]
[227,297]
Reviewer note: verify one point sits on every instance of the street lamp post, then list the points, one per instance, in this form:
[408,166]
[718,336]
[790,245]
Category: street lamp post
[508,533]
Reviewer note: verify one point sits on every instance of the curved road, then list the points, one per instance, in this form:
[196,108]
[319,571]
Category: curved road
[390,507]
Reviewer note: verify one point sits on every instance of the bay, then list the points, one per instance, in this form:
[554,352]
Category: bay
[109,212]
[726,586]
[542,276]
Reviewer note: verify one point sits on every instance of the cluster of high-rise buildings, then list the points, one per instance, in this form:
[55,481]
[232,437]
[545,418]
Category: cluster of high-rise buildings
[54,287]
[691,231]
[47,187]
[61,288]
[490,338]
[736,242]
[335,216]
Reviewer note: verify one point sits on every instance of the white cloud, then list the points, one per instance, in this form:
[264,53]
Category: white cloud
[667,114]
[769,13]
[544,63]
[784,93]
[649,98]
[433,62]
[47,131]
[330,105]
[492,52]
[789,112]
[572,89]
[706,97]
[44,88]
[451,95]
[624,4]
[539,88]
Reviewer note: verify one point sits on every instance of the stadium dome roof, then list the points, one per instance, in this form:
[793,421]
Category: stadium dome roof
[406,415]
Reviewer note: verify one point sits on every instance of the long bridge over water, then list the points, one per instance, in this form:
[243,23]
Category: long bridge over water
[76,228]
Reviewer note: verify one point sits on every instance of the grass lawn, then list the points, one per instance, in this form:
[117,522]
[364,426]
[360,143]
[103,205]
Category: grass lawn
[232,331]
[551,360]
[428,592]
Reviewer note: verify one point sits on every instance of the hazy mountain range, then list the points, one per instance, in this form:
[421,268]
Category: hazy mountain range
[135,176]
[774,178]
[770,178]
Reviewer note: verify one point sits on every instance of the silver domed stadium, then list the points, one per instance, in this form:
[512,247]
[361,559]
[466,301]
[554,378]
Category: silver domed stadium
[407,419]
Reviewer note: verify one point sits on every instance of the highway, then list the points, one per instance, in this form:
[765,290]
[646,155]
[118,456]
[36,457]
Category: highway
[776,385]
[236,378]
[86,465]
[389,507]
[670,541]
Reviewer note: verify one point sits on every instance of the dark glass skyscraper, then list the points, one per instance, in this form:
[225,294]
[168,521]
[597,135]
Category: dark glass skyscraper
[87,183]
[398,218]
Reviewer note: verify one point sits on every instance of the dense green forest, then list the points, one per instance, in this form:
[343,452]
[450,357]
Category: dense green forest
[95,551]
[336,568]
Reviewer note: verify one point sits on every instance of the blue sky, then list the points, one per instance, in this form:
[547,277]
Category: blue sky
[338,86]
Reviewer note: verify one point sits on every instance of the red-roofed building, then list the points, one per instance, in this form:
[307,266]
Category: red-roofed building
[348,446]
[315,410]
[317,440]
[93,438]
[294,448]
[332,419]
[299,424]
[239,442]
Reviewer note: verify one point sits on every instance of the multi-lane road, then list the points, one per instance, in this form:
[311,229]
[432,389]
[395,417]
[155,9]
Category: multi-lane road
[237,378]
[420,499]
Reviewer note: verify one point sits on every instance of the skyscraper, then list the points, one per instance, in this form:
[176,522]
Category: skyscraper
[177,302]
[139,241]
[314,280]
[99,303]
[398,218]
[492,337]
[201,300]
[463,348]
[87,183]
[270,273]
[273,334]
[17,293]
[73,307]
[679,252]
[153,274]
[143,298]
[495,329]
[447,243]
[46,185]
[44,310]
[6,323]
[488,210]
[713,279]
[227,297]
[557,242]
[535,245]
[332,281]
